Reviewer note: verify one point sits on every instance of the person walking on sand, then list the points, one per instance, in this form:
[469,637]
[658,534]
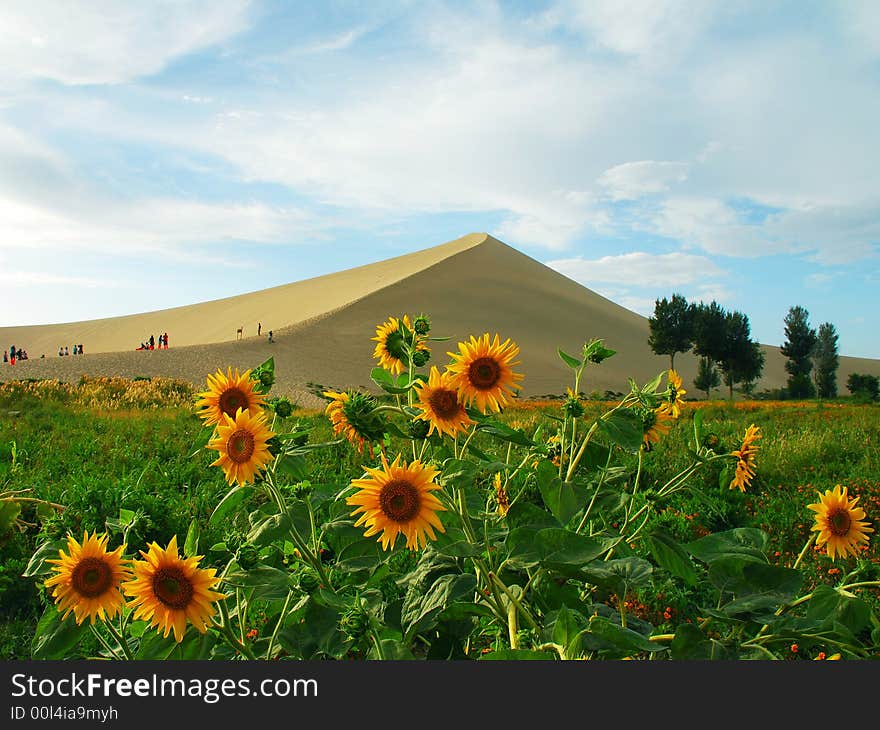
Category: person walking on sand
[270,337]
[259,328]
[12,354]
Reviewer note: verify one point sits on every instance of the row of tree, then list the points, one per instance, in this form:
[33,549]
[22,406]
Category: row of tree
[722,340]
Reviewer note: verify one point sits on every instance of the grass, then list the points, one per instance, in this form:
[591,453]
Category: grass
[97,454]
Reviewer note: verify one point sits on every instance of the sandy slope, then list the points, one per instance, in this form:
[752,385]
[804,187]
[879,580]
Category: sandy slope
[323,326]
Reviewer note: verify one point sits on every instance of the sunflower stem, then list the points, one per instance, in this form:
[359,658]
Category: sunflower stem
[274,635]
[229,635]
[804,551]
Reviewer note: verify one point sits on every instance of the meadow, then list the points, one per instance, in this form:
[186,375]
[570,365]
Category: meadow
[128,457]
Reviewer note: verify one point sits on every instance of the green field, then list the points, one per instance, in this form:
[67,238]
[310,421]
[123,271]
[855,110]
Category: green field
[126,461]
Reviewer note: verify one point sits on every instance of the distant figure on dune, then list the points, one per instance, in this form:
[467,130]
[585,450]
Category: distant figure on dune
[271,339]
[259,328]
[163,341]
[12,354]
[238,333]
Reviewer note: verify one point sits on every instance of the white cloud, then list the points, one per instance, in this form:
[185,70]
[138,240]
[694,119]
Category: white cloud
[639,269]
[632,180]
[159,226]
[708,224]
[634,27]
[105,42]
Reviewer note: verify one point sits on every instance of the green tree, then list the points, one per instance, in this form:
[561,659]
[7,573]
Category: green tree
[800,339]
[742,359]
[709,338]
[671,326]
[826,361]
[866,386]
[707,378]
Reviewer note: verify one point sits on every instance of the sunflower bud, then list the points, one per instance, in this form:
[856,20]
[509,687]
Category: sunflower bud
[274,445]
[267,379]
[711,441]
[420,358]
[283,408]
[572,406]
[422,325]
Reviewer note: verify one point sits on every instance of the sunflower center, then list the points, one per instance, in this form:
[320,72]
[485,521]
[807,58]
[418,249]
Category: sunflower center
[172,587]
[839,522]
[240,446]
[484,373]
[231,400]
[91,577]
[444,403]
[399,500]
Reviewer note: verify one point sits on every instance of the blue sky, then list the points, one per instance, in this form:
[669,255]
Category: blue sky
[156,154]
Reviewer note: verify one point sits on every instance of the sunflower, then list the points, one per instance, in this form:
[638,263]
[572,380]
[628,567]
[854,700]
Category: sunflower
[397,499]
[840,524]
[395,339]
[354,415]
[226,394]
[745,465]
[674,392]
[242,443]
[87,578]
[482,371]
[656,424]
[167,590]
[440,404]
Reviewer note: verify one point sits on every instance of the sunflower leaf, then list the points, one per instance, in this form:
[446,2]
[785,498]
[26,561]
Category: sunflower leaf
[572,362]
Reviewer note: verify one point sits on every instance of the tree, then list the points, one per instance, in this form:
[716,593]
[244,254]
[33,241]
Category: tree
[826,361]
[741,359]
[708,324]
[671,327]
[707,377]
[800,339]
[866,386]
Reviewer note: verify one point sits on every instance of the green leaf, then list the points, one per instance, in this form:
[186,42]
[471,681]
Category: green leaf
[420,610]
[54,638]
[389,383]
[690,643]
[126,517]
[517,654]
[191,544]
[267,581]
[526,514]
[671,556]
[829,606]
[624,428]
[620,575]
[572,362]
[201,440]
[620,639]
[294,466]
[270,529]
[9,512]
[230,501]
[504,433]
[37,565]
[567,628]
[748,541]
[553,547]
[563,499]
[314,632]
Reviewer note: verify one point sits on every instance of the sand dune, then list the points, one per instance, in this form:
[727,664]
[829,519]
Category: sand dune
[322,327]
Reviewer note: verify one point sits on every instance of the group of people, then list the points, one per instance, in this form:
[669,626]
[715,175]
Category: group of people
[64,351]
[14,354]
[153,344]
